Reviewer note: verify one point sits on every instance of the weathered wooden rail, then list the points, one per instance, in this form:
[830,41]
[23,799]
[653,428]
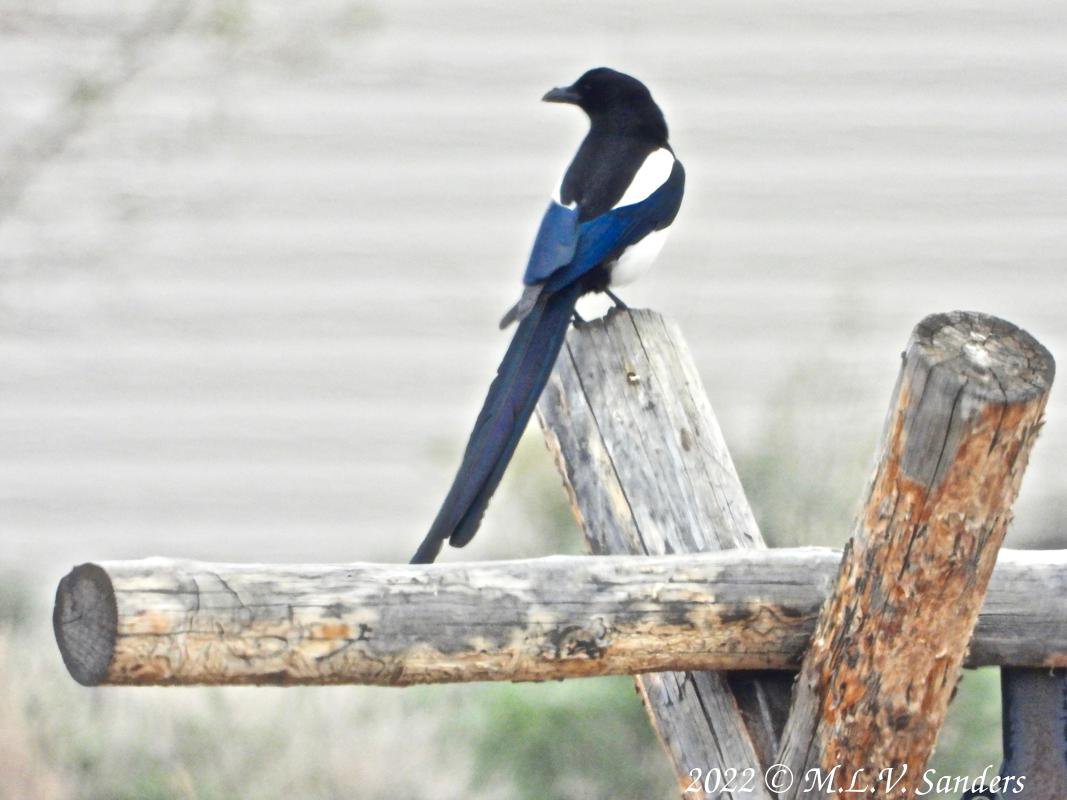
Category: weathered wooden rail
[186,622]
[649,475]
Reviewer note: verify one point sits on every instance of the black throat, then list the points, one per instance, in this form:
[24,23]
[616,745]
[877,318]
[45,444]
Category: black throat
[609,157]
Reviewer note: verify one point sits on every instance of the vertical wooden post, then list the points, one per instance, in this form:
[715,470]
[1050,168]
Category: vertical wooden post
[887,651]
[648,472]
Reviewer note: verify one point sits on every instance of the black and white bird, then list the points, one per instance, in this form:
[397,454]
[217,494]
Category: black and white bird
[603,228]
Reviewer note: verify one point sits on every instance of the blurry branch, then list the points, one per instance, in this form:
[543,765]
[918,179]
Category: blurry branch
[131,54]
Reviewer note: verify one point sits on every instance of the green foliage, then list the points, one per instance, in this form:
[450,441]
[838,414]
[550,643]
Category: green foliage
[970,739]
[86,92]
[358,18]
[803,487]
[15,603]
[539,487]
[587,738]
[154,785]
[229,19]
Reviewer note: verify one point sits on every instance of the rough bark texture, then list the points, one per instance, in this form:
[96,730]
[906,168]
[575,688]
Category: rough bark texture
[185,622]
[649,473]
[890,642]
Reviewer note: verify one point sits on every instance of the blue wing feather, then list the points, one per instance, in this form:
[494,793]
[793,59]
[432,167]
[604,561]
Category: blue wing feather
[603,238]
[555,243]
[565,249]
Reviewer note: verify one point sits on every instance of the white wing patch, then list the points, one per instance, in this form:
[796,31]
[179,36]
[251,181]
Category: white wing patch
[651,175]
[637,258]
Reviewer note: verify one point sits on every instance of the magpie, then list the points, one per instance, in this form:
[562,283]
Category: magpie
[604,226]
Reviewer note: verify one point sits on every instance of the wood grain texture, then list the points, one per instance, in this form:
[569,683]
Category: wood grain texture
[890,642]
[648,472]
[160,621]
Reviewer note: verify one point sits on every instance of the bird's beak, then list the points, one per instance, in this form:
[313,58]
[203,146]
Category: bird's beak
[562,94]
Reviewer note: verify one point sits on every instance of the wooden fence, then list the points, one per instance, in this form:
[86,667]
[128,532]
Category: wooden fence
[879,634]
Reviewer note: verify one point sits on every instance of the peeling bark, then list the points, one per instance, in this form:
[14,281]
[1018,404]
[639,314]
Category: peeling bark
[887,652]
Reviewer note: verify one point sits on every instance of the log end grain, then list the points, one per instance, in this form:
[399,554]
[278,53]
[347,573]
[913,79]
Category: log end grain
[959,367]
[85,622]
[1000,360]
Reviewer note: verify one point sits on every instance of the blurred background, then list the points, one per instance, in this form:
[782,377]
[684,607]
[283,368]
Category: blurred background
[252,257]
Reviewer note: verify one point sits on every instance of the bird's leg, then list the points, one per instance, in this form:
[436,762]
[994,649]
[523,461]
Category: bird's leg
[578,321]
[615,299]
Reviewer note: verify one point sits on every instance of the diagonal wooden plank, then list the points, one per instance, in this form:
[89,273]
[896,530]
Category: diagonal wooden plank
[648,472]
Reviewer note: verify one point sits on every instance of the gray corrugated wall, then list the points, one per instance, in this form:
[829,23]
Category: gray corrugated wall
[248,311]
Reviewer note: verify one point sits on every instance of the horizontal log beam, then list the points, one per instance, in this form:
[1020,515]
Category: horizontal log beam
[159,621]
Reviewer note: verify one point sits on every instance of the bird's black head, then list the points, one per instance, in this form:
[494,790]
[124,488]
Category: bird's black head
[614,101]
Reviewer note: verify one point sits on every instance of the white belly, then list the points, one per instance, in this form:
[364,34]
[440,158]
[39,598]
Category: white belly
[637,258]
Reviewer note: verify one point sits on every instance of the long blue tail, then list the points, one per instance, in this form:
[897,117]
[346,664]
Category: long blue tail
[511,400]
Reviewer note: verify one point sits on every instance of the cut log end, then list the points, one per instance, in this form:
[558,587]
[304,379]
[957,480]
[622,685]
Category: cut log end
[999,361]
[964,371]
[85,621]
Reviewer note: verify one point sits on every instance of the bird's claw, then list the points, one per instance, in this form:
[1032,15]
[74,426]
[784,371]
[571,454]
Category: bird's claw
[619,304]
